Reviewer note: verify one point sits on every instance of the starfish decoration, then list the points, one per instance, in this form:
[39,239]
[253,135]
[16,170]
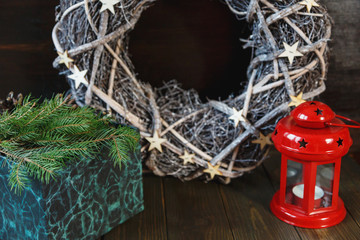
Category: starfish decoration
[155,142]
[309,4]
[263,140]
[65,59]
[291,52]
[303,143]
[213,170]
[108,4]
[237,116]
[79,77]
[188,158]
[296,101]
[340,142]
[318,112]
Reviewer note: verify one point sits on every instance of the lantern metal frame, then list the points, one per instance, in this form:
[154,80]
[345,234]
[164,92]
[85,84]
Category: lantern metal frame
[313,135]
[306,215]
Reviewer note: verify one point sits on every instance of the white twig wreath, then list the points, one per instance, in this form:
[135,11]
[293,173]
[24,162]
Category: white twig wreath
[183,136]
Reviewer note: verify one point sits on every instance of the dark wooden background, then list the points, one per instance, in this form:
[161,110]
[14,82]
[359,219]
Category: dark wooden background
[195,42]
[203,35]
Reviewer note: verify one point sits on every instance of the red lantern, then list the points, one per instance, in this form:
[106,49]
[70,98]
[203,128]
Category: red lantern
[312,141]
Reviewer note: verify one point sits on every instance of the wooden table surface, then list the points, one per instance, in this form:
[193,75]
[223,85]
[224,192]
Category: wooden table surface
[240,210]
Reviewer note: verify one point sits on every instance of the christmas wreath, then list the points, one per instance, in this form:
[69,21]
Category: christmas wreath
[181,135]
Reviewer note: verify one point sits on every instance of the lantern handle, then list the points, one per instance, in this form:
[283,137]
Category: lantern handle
[357,125]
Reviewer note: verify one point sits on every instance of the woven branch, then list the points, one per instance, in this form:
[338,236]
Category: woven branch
[98,42]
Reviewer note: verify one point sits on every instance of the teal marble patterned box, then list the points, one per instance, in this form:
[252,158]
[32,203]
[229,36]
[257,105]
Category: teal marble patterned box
[87,200]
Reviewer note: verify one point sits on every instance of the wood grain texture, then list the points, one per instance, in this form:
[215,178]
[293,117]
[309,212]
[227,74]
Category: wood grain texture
[247,202]
[343,84]
[26,21]
[195,210]
[26,49]
[347,229]
[350,186]
[346,33]
[149,224]
[355,148]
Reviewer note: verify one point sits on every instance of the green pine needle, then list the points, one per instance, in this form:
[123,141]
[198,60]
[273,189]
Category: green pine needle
[40,139]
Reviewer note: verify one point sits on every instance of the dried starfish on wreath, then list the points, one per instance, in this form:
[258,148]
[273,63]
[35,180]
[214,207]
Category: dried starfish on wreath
[188,125]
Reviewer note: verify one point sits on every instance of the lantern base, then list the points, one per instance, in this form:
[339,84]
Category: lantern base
[319,220]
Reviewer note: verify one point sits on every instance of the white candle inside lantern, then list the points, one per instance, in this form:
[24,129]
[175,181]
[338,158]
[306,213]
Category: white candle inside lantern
[298,191]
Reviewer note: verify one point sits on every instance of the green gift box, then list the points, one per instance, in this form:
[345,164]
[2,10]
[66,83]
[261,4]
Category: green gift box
[87,199]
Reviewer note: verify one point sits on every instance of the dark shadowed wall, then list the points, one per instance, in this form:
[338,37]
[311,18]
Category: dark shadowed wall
[26,50]
[194,42]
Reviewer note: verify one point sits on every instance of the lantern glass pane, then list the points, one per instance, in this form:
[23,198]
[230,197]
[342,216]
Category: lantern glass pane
[294,179]
[324,185]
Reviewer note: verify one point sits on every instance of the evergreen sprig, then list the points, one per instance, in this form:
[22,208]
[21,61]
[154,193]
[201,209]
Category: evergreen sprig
[39,139]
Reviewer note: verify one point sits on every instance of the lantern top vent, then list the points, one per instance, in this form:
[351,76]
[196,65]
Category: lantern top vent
[312,132]
[313,114]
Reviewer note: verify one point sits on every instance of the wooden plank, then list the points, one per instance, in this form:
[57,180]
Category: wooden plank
[355,148]
[26,21]
[247,203]
[347,229]
[195,210]
[346,91]
[343,83]
[272,168]
[26,49]
[355,153]
[350,186]
[30,72]
[149,224]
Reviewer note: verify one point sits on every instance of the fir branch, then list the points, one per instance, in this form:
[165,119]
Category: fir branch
[8,118]
[35,148]
[13,139]
[13,114]
[69,125]
[35,117]
[81,133]
[130,136]
[26,160]
[24,114]
[40,139]
[105,139]
[57,107]
[18,181]
[50,141]
[73,149]
[117,149]
[51,159]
